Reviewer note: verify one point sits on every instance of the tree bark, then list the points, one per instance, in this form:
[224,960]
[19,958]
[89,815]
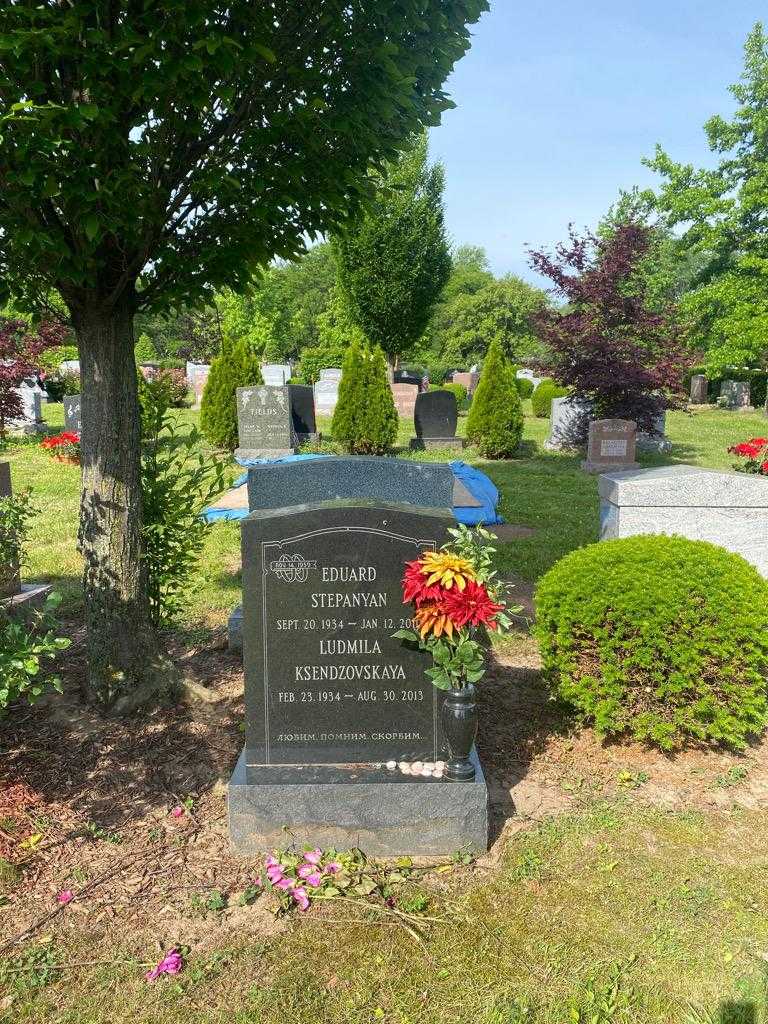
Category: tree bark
[124,667]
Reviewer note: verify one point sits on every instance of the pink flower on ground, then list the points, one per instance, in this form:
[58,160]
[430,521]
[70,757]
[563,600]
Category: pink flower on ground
[333,867]
[65,896]
[314,880]
[172,963]
[274,873]
[305,869]
[178,811]
[285,883]
[300,895]
[272,862]
[313,857]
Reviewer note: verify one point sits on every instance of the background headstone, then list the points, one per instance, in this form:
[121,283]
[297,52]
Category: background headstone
[405,398]
[530,375]
[274,421]
[657,440]
[326,392]
[611,446]
[72,418]
[468,380]
[435,418]
[9,575]
[31,420]
[735,394]
[567,425]
[69,366]
[729,509]
[332,373]
[6,490]
[331,695]
[276,374]
[699,389]
[425,484]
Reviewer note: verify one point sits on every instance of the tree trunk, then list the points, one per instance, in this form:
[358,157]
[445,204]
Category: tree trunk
[124,667]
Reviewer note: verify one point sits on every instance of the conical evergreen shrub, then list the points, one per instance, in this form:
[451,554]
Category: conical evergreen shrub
[236,366]
[365,419]
[495,421]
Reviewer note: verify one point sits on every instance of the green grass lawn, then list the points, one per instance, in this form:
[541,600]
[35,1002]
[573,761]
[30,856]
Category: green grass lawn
[613,914]
[544,490]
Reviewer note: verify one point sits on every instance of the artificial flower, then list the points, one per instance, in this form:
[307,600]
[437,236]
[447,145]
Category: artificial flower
[415,588]
[306,869]
[172,963]
[431,618]
[333,868]
[285,883]
[314,856]
[315,879]
[65,896]
[177,812]
[446,569]
[471,607]
[300,896]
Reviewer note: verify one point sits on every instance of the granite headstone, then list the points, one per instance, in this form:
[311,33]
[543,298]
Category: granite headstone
[72,419]
[435,417]
[276,374]
[611,446]
[468,380]
[31,419]
[332,373]
[405,398]
[735,394]
[9,574]
[699,389]
[568,423]
[274,421]
[326,392]
[332,696]
[426,484]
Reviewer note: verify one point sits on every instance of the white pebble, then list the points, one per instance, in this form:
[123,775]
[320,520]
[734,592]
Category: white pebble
[405,769]
[437,773]
[440,765]
[417,766]
[391,765]
[430,765]
[426,771]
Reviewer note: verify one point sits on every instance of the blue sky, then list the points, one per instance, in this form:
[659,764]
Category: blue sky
[558,102]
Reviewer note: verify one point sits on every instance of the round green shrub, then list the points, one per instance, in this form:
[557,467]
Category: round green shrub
[495,421]
[365,418]
[524,387]
[663,638]
[541,400]
[236,366]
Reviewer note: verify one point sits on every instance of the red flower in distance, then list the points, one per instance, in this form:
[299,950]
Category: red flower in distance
[748,449]
[472,606]
[415,589]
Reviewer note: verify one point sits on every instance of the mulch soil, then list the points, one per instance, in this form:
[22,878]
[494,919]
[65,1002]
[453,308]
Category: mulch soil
[86,801]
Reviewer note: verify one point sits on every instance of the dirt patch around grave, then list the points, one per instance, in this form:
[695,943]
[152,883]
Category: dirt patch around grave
[86,801]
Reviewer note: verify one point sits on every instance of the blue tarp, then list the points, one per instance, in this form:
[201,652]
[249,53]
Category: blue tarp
[478,484]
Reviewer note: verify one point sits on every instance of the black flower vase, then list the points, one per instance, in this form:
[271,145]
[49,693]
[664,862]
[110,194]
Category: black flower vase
[459,718]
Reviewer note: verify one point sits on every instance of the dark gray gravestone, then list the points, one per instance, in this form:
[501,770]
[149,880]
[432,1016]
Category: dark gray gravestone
[274,421]
[429,485]
[5,480]
[331,696]
[434,419]
[72,413]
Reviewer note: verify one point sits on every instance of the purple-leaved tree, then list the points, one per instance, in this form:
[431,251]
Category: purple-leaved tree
[606,343]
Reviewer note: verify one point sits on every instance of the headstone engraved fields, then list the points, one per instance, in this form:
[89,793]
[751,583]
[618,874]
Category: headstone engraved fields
[72,417]
[274,420]
[611,446]
[326,683]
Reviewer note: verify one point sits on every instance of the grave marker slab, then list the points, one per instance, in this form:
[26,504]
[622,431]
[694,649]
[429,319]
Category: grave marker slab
[699,389]
[276,374]
[331,373]
[331,696]
[72,416]
[435,417]
[31,419]
[426,484]
[274,421]
[729,509]
[468,380]
[611,446]
[735,394]
[567,422]
[405,398]
[326,392]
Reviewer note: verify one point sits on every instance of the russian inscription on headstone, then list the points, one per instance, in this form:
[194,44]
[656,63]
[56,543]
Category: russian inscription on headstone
[611,446]
[699,389]
[405,398]
[435,417]
[332,696]
[274,421]
[72,419]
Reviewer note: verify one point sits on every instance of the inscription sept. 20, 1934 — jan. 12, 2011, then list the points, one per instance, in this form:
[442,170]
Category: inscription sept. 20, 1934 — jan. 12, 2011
[325,680]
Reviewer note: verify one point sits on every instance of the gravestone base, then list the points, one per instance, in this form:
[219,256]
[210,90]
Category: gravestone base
[235,630]
[30,597]
[606,467]
[383,813]
[426,443]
